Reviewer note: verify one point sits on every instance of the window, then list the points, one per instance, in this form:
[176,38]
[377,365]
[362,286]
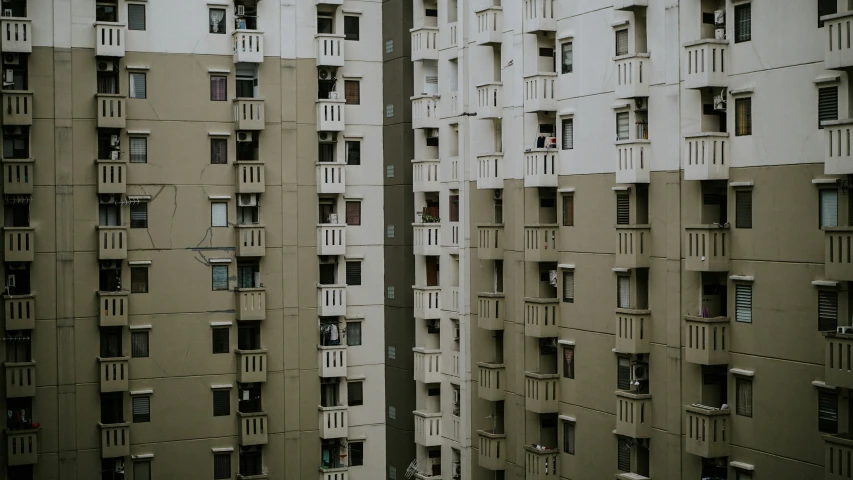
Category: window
[825,7]
[221,403]
[141,408]
[568,210]
[356,454]
[221,340]
[622,126]
[743,475]
[827,310]
[743,116]
[569,287]
[218,88]
[354,273]
[624,294]
[353,213]
[138,279]
[743,207]
[568,437]
[353,334]
[623,373]
[353,152]
[352,92]
[139,344]
[623,209]
[827,412]
[568,362]
[138,150]
[351,28]
[744,397]
[137,85]
[827,105]
[621,42]
[135,16]
[218,151]
[217,20]
[623,454]
[828,208]
[221,466]
[218,214]
[743,22]
[568,134]
[139,215]
[567,57]
[355,393]
[743,303]
[142,470]
[220,277]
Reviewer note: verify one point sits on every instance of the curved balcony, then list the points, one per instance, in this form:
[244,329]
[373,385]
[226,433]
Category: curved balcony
[248,46]
[489,26]
[427,365]
[707,340]
[249,114]
[427,428]
[540,167]
[425,111]
[427,239]
[491,310]
[331,177]
[490,171]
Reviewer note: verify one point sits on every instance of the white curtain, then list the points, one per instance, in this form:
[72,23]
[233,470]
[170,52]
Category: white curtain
[216,17]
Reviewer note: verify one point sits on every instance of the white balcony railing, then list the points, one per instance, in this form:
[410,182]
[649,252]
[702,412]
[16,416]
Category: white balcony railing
[427,302]
[248,46]
[427,239]
[838,51]
[17,35]
[706,63]
[331,177]
[632,75]
[489,26]
[425,111]
[425,175]
[706,156]
[331,239]
[540,93]
[490,171]
[330,50]
[540,167]
[332,300]
[490,101]
[427,428]
[427,365]
[633,159]
[330,115]
[838,159]
[424,43]
[109,39]
[539,16]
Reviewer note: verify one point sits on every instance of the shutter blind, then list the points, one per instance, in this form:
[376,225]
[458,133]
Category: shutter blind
[142,470]
[141,409]
[218,151]
[138,150]
[623,209]
[828,208]
[135,17]
[622,126]
[743,200]
[827,104]
[827,412]
[743,303]
[743,119]
[827,310]
[353,213]
[621,42]
[221,466]
[352,92]
[221,402]
[353,273]
[219,214]
[139,344]
[744,397]
[568,286]
[221,340]
[623,457]
[220,277]
[624,291]
[568,134]
[568,210]
[218,88]
[139,215]
[137,85]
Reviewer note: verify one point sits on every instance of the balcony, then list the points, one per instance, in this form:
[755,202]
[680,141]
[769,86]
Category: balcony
[491,375]
[540,243]
[112,243]
[115,440]
[539,17]
[341,473]
[248,46]
[490,171]
[540,392]
[633,244]
[330,50]
[331,3]
[633,329]
[113,308]
[331,177]
[19,244]
[17,35]
[838,53]
[425,176]
[707,431]
[112,177]
[706,63]
[540,168]
[490,242]
[633,161]
[250,177]
[490,310]
[450,103]
[427,302]
[333,422]
[707,156]
[425,111]
[21,447]
[837,448]
[331,300]
[17,107]
[707,248]
[838,361]
[837,256]
[427,365]
[109,39]
[427,429]
[251,240]
[450,236]
[251,304]
[540,92]
[248,114]
[114,374]
[837,159]
[707,340]
[20,312]
[492,450]
[632,75]
[424,43]
[490,101]
[18,176]
[332,360]
[633,414]
[253,428]
[330,115]
[20,379]
[541,316]
[489,26]
[454,367]
[427,238]
[453,427]
[112,111]
[630,4]
[331,239]
[251,366]
[540,462]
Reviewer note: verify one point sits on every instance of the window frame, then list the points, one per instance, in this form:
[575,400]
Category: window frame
[563,123]
[821,13]
[354,325]
[137,6]
[217,78]
[355,264]
[568,365]
[223,22]
[743,27]
[218,143]
[821,193]
[144,207]
[137,269]
[564,67]
[137,138]
[348,23]
[822,422]
[623,384]
[744,409]
[567,274]
[213,269]
[821,294]
[351,402]
[217,475]
[352,456]
[741,195]
[569,437]
[215,341]
[140,463]
[745,287]
[131,91]
[743,126]
[355,85]
[821,91]
[347,151]
[223,393]
[616,34]
[140,334]
[347,213]
[623,281]
[623,114]
[142,417]
[213,215]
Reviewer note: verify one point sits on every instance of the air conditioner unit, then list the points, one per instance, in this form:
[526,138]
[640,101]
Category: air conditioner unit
[244,137]
[843,330]
[328,137]
[552,278]
[334,96]
[333,218]
[499,194]
[241,10]
[431,133]
[325,74]
[10,281]
[11,59]
[109,265]
[328,259]
[640,103]
[119,466]
[115,141]
[7,12]
[720,18]
[9,77]
[457,469]
[639,372]
[720,33]
[106,66]
[719,103]
[247,200]
[106,198]
[114,155]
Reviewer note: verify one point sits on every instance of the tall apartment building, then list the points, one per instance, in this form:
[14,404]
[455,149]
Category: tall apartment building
[189,239]
[632,239]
